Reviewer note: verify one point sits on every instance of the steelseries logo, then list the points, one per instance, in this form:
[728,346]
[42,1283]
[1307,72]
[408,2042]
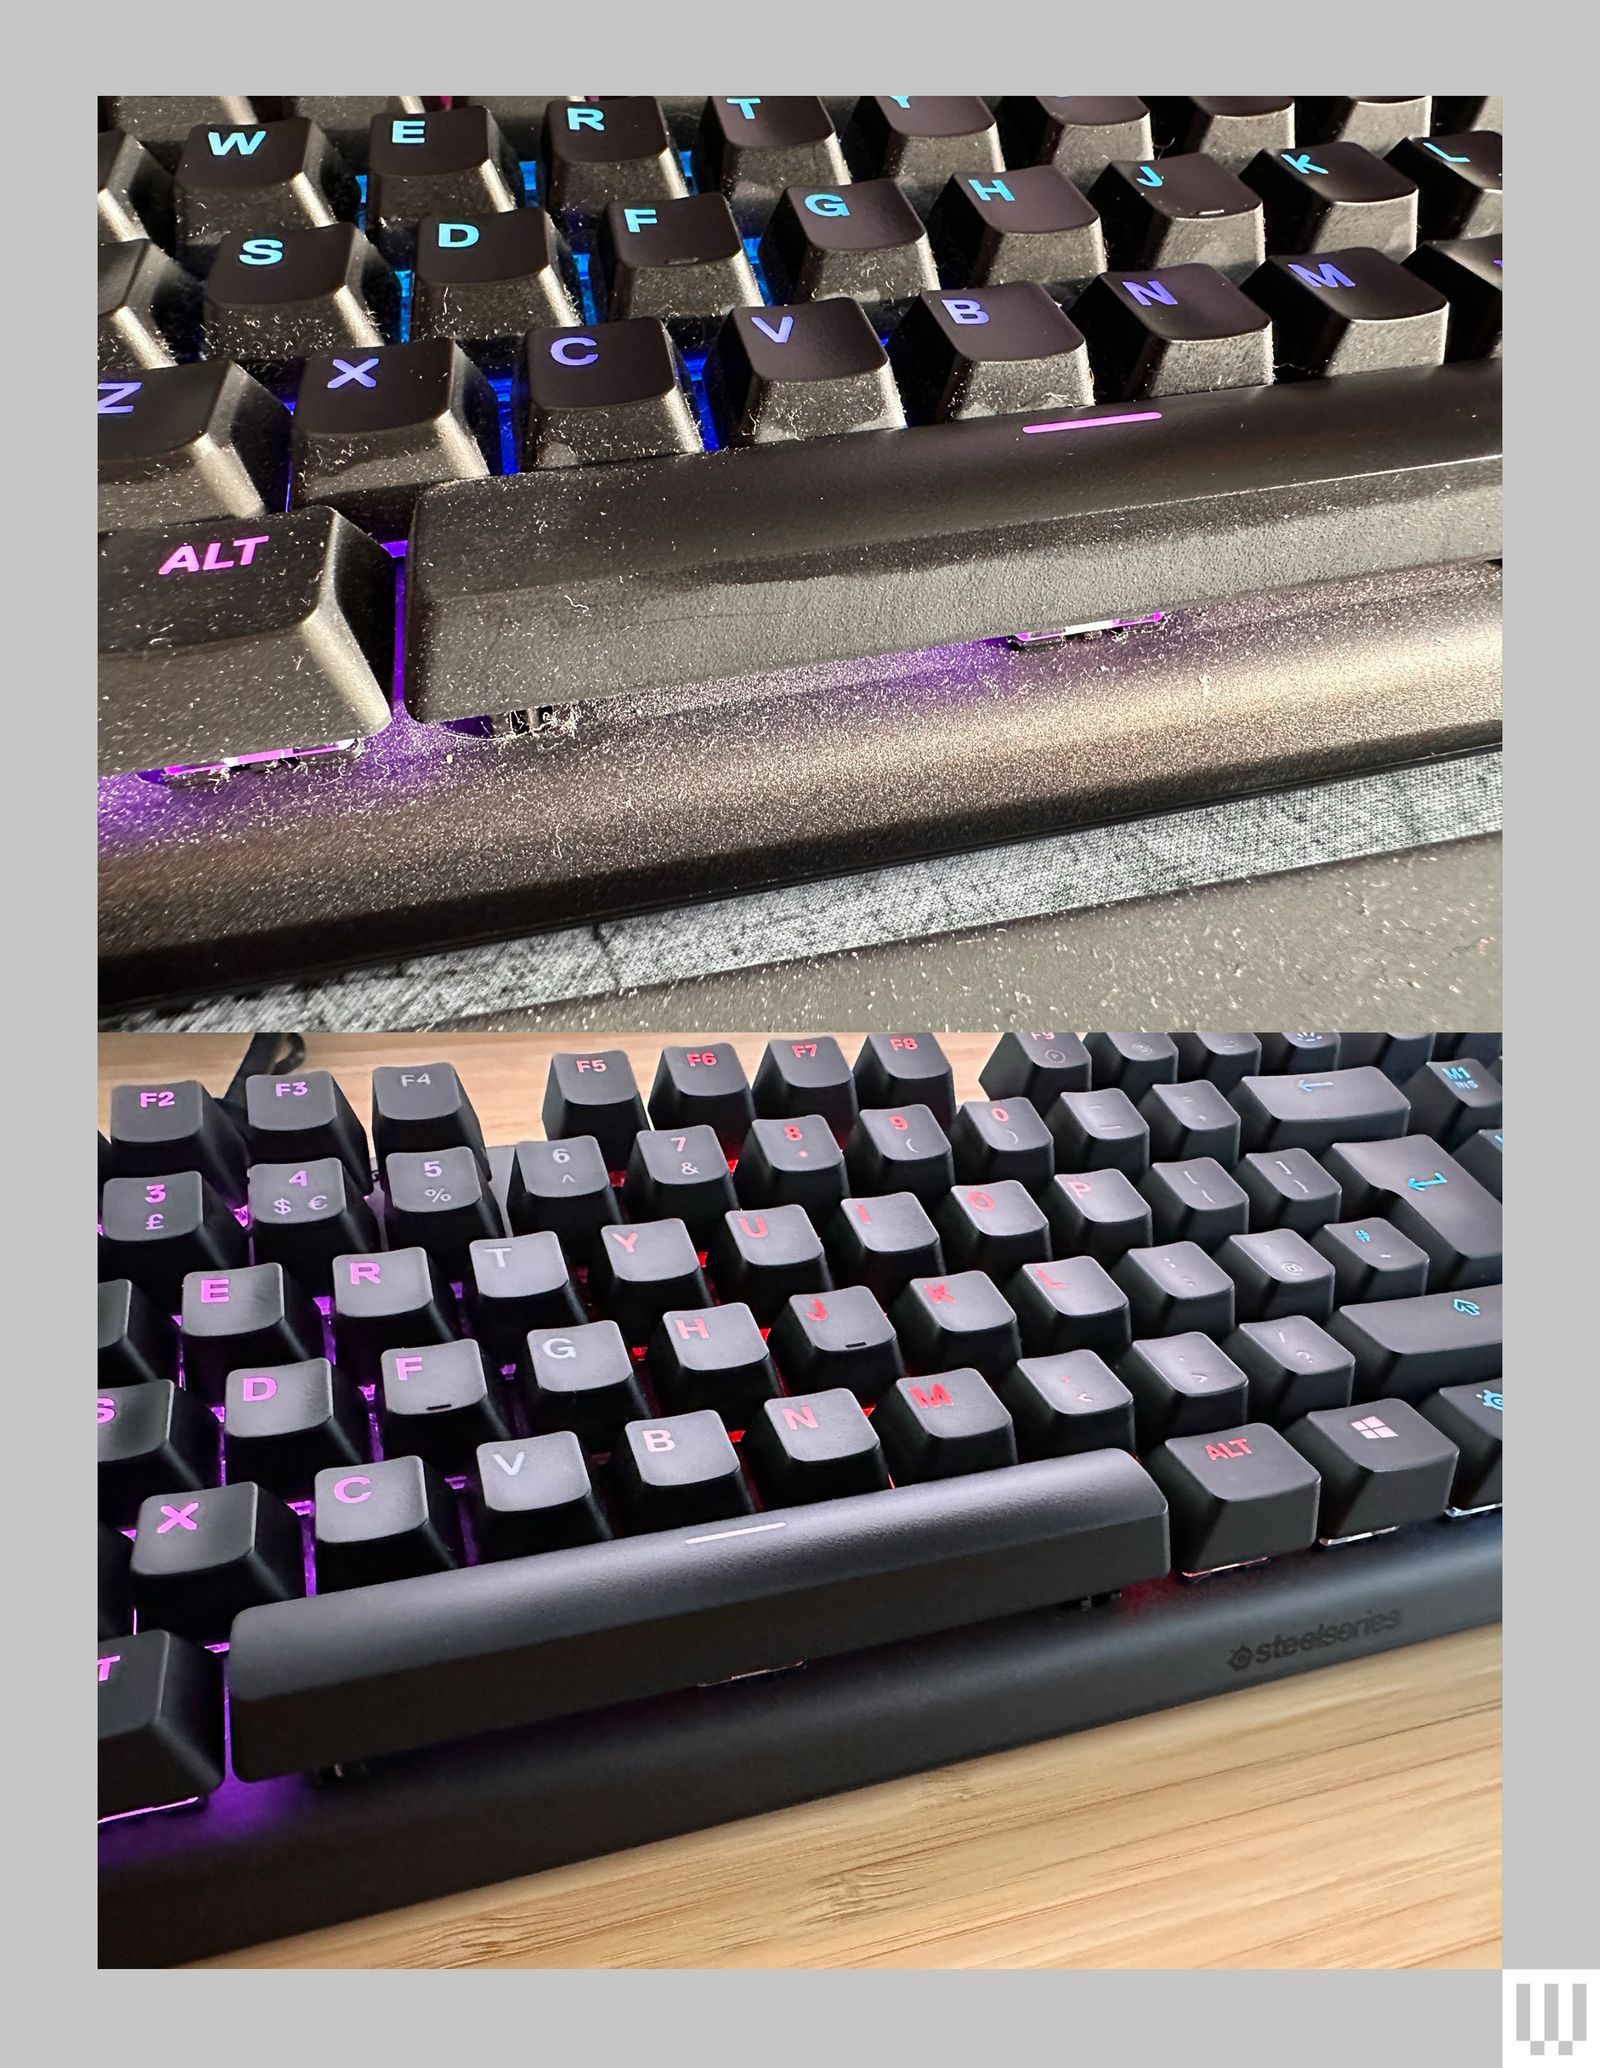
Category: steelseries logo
[1288,1644]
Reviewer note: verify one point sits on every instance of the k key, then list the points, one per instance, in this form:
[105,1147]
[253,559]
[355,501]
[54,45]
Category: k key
[1335,197]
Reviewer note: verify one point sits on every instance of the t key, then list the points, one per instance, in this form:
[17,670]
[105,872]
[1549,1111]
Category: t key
[751,148]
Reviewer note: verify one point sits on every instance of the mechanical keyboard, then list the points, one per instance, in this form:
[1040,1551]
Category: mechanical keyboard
[469,1508]
[525,511]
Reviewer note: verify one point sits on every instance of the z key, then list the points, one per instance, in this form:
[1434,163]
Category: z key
[185,442]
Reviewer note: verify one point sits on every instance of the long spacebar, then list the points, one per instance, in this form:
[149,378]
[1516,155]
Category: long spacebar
[334,1678]
[570,584]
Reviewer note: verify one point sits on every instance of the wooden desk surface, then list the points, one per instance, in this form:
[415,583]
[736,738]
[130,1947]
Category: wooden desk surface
[1346,1818]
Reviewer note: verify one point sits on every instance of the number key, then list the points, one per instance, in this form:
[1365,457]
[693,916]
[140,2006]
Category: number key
[304,1215]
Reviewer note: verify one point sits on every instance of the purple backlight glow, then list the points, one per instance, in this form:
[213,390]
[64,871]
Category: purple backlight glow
[1093,423]
[156,1809]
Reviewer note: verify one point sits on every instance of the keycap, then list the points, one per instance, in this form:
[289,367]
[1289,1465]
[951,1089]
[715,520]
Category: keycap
[1381,1465]
[136,1342]
[892,1067]
[485,280]
[958,1319]
[1063,1404]
[1288,1188]
[1372,1260]
[439,1401]
[241,638]
[681,261]
[1182,1385]
[563,1186]
[800,1076]
[1459,178]
[249,180]
[584,1381]
[1303,1052]
[1377,121]
[679,1470]
[304,1215]
[285,1423]
[1037,1067]
[1293,1365]
[328,1680]
[162,122]
[1097,1212]
[814,1447]
[520,116]
[839,1338]
[160,1722]
[1481,1047]
[391,1520]
[157,1230]
[149,308]
[1132,1063]
[1188,1120]
[703,1085]
[1077,134]
[514,1286]
[438,1200]
[177,1126]
[994,1228]
[346,119]
[1173,1288]
[1398,1056]
[1030,223]
[1070,1304]
[1467,271]
[811,370]
[1471,1417]
[256,1314]
[534,1494]
[135,192]
[901,1147]
[605,150]
[921,141]
[1236,1495]
[114,1601]
[1194,1201]
[791,1163]
[1404,1349]
[989,352]
[883,1242]
[417,1107]
[1182,331]
[270,302]
[153,1438]
[864,240]
[611,391]
[765,1258]
[1428,1196]
[1184,210]
[1231,131]
[449,161]
[203,1554]
[1277,1272]
[1318,1107]
[398,1300]
[641,1270]
[1334,197]
[596,1095]
[711,1357]
[1482,1156]
[1099,1130]
[678,1172]
[304,1118]
[1451,1101]
[1453,112]
[1349,311]
[1221,1059]
[944,1425]
[1000,1141]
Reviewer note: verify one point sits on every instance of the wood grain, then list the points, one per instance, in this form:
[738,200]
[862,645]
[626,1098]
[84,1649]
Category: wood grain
[1346,1818]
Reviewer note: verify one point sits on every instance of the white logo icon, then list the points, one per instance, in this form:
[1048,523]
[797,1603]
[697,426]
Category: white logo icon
[1370,1426]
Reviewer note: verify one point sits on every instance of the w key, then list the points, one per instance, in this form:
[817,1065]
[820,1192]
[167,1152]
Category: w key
[245,181]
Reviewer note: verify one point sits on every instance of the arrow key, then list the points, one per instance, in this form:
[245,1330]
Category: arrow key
[1471,1416]
[1407,1348]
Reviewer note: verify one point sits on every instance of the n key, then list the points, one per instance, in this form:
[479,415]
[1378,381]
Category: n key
[814,1447]
[1181,331]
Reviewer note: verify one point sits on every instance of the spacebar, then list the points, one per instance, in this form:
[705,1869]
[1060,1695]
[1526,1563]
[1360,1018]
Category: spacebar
[332,1678]
[569,584]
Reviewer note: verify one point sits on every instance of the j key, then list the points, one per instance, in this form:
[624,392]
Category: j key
[941,1426]
[883,1243]
[1471,1417]
[1182,331]
[115,1601]
[438,1402]
[1132,1063]
[813,370]
[799,1076]
[534,1493]
[285,1423]
[1028,224]
[1005,1139]
[520,116]
[1428,1196]
[1376,121]
[1466,270]
[386,1521]
[439,1200]
[680,1172]
[1037,1067]
[679,1470]
[840,1338]
[1174,1288]
[134,197]
[640,1271]
[612,391]
[1195,1201]
[814,1447]
[1080,135]
[346,119]
[1398,1056]
[607,150]
[901,1147]
[160,1722]
[1482,1156]
[791,1163]
[990,352]
[711,1357]
[1221,1059]
[388,1302]
[149,308]
[202,1555]
[1275,1273]
[450,161]
[374,428]
[1372,1260]
[1072,1303]
[1190,1119]
[1073,1402]
[891,1067]
[136,1342]
[863,240]
[303,1215]
[1180,211]
[1097,1213]
[564,1186]
[1230,131]
[1453,1101]
[1316,1107]
[1235,1495]
[1460,181]
[703,1085]
[962,1318]
[751,148]
[1349,311]
[178,1126]
[1382,1466]
[681,261]
[1288,1188]
[421,1106]
[1294,1366]
[584,1381]
[921,141]
[245,182]
[1333,198]
[1405,1348]
[255,1315]
[996,1228]
[304,1118]
[241,638]
[1100,1130]
[272,301]
[486,280]
[154,1438]
[1182,1385]
[163,122]
[513,1286]
[157,1230]
[765,1258]
[595,1095]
